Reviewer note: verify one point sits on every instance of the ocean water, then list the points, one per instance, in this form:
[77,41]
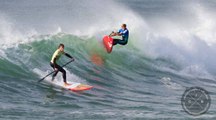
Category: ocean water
[171,47]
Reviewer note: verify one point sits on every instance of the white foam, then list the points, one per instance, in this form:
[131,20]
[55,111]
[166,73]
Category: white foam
[188,41]
[191,41]
[170,84]
[71,78]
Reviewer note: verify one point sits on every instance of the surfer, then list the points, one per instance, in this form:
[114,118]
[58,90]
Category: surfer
[122,32]
[57,54]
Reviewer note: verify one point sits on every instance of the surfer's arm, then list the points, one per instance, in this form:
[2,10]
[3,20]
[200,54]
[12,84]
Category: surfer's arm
[119,34]
[115,34]
[66,54]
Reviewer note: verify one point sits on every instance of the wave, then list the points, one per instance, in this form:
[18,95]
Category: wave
[184,44]
[165,54]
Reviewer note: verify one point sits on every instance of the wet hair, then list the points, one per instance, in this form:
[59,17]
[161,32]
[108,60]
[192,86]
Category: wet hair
[124,25]
[61,45]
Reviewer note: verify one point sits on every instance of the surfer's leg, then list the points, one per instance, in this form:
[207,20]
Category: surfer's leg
[63,73]
[59,69]
[119,41]
[116,41]
[56,72]
[122,42]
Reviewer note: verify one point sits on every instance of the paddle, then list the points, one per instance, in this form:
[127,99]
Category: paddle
[54,70]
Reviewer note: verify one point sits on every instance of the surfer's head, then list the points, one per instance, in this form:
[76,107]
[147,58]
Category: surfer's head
[61,47]
[124,26]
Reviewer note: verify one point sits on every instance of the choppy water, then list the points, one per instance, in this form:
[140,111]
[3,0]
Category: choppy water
[171,48]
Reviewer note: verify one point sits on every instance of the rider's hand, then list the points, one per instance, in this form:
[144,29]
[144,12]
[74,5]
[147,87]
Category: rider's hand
[55,69]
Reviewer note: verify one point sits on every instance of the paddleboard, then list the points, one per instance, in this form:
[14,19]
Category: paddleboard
[108,43]
[75,86]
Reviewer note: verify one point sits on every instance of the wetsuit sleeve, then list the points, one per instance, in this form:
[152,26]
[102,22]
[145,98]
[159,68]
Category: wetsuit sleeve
[124,31]
[68,55]
[120,32]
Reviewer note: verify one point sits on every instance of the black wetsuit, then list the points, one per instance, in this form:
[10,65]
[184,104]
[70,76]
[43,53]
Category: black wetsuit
[125,36]
[54,65]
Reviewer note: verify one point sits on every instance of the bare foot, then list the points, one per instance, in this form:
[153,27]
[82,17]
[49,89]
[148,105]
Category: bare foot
[66,84]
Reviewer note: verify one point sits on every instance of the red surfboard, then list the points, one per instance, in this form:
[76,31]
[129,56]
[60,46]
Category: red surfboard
[74,86]
[79,87]
[108,43]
